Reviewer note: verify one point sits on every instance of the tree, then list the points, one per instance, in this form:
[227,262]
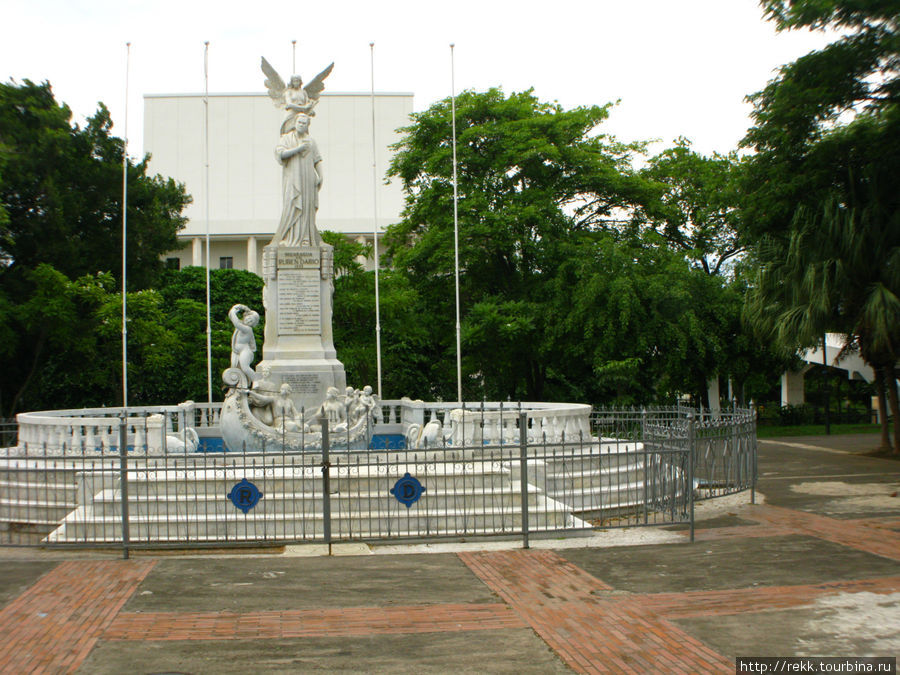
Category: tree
[61,191]
[829,123]
[347,253]
[698,215]
[61,243]
[71,333]
[530,176]
[824,185]
[638,324]
[840,271]
[183,295]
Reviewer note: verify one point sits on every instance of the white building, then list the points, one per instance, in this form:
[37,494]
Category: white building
[244,202]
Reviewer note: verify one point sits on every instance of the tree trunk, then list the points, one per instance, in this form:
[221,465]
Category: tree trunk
[38,350]
[880,377]
[895,405]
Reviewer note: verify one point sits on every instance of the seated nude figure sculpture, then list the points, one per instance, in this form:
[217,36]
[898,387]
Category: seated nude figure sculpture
[333,408]
[282,409]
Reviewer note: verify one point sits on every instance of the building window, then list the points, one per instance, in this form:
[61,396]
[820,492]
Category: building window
[226,263]
[173,263]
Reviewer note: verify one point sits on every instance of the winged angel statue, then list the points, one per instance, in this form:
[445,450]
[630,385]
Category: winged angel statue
[299,157]
[294,97]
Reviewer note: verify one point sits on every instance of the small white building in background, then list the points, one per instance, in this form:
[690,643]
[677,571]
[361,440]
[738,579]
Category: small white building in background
[245,178]
[792,387]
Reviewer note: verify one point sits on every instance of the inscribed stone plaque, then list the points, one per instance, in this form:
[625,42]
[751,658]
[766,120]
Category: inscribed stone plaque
[299,302]
[303,383]
[298,258]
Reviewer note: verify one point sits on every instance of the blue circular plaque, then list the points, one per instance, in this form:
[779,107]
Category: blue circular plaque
[245,495]
[407,490]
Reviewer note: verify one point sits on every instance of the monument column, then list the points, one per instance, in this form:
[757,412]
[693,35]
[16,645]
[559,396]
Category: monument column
[298,347]
[251,254]
[298,268]
[196,252]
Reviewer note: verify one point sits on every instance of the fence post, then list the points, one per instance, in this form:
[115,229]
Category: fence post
[755,446]
[123,482]
[738,464]
[326,482]
[646,464]
[691,439]
[523,470]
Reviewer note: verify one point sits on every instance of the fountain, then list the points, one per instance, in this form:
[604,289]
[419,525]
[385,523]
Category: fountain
[300,460]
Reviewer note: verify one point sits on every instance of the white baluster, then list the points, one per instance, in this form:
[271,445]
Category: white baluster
[492,429]
[447,423]
[75,437]
[139,436]
[89,442]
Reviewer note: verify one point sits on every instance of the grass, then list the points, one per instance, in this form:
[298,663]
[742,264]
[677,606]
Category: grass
[815,430]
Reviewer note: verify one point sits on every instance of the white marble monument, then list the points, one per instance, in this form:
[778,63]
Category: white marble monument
[300,376]
[297,267]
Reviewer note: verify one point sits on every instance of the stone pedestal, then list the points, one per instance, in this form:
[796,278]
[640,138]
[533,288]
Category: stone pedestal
[299,344]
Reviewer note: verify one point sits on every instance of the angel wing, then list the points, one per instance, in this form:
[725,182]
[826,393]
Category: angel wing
[273,82]
[314,88]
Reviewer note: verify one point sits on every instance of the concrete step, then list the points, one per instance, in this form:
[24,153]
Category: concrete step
[37,512]
[84,526]
[477,476]
[107,503]
[30,490]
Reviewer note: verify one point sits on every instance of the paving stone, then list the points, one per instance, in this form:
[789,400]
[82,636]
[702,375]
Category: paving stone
[503,651]
[15,577]
[261,584]
[728,563]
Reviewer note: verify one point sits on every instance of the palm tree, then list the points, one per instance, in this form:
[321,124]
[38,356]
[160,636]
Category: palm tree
[838,271]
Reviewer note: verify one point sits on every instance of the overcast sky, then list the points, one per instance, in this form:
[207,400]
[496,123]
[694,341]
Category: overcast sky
[679,67]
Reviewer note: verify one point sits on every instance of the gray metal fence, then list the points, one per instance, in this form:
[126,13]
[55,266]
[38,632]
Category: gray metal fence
[638,467]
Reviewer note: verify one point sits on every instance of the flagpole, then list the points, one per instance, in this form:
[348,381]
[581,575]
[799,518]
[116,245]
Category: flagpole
[206,195]
[375,220]
[293,57]
[455,227]
[125,236]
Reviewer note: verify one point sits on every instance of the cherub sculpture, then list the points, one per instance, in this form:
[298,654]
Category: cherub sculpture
[294,97]
[243,342]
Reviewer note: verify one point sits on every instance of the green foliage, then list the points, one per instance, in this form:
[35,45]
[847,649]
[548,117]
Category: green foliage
[183,292]
[829,124]
[556,303]
[406,351]
[60,249]
[645,325]
[61,193]
[838,271]
[827,179]
[824,187]
[346,253]
[699,212]
[63,345]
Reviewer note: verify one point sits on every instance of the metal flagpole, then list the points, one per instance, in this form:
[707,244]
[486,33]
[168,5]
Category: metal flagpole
[455,228]
[206,191]
[294,57]
[375,221]
[125,237]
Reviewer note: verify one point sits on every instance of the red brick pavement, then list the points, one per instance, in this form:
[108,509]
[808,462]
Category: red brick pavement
[313,623]
[52,626]
[591,634]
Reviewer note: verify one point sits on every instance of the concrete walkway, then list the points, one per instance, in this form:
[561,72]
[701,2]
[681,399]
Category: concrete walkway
[814,570]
